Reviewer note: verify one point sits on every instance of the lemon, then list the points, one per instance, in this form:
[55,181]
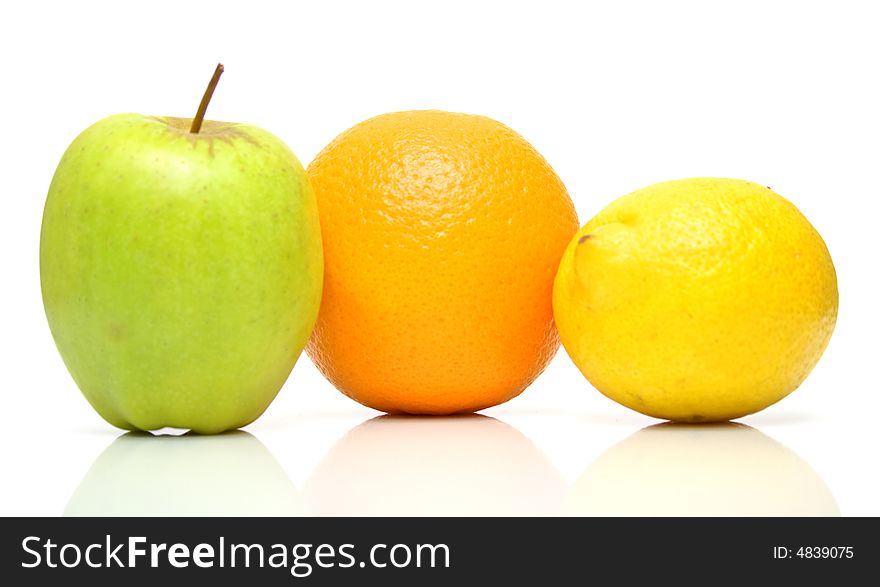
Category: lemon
[696,300]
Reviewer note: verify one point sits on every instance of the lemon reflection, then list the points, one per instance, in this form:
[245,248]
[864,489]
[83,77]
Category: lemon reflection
[230,474]
[700,470]
[434,466]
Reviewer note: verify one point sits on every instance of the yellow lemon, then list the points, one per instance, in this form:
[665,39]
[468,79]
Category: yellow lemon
[696,300]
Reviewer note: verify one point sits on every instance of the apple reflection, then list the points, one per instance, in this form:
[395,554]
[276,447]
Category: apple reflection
[700,470]
[434,466]
[230,474]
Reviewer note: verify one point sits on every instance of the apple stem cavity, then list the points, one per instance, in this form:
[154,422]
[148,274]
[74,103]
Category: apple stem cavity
[206,99]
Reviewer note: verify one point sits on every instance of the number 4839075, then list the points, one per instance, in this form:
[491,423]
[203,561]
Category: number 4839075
[824,552]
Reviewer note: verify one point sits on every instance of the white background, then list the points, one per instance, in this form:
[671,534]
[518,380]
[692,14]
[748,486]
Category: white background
[616,95]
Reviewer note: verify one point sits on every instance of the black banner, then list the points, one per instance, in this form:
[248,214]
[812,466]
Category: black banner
[407,551]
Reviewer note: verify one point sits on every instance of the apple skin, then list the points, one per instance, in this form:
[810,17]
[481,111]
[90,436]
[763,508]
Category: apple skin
[181,273]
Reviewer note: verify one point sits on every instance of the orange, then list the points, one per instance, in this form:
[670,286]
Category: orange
[442,236]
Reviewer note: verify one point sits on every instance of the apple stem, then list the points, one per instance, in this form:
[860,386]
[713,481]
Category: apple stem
[203,107]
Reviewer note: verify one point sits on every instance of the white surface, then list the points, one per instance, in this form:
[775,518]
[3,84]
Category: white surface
[616,95]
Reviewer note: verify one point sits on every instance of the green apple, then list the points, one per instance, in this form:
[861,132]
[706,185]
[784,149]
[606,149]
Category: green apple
[181,269]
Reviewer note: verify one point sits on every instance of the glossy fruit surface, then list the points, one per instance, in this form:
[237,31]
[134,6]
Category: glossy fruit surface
[442,234]
[181,273]
[696,300]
